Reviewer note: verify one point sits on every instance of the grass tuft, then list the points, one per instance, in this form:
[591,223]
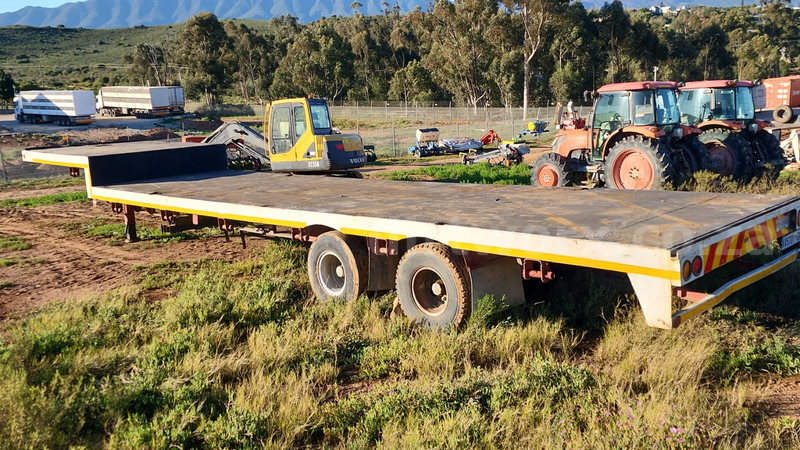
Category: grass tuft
[44,200]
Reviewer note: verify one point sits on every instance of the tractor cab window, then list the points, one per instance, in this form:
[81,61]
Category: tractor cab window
[695,106]
[643,107]
[725,104]
[744,104]
[299,120]
[321,119]
[667,112]
[280,129]
[611,111]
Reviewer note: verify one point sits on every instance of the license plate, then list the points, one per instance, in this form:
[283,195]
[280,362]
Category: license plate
[790,240]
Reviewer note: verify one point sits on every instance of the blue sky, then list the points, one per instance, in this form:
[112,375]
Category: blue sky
[13,5]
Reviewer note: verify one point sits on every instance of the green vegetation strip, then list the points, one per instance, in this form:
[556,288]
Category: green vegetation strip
[44,200]
[43,183]
[13,243]
[239,355]
[477,173]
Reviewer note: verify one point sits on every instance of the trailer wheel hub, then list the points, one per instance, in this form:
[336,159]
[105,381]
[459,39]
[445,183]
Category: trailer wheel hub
[331,274]
[429,292]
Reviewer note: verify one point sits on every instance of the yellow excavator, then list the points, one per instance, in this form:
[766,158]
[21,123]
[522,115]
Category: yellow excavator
[299,138]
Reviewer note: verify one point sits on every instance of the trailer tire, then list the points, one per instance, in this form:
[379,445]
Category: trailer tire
[433,286]
[730,153]
[639,163]
[338,266]
[783,114]
[551,170]
[20,118]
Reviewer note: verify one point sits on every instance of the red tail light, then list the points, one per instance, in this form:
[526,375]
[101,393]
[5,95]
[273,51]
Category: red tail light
[697,266]
[340,146]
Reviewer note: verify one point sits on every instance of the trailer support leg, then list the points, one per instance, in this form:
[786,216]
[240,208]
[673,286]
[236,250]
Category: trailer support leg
[655,298]
[128,213]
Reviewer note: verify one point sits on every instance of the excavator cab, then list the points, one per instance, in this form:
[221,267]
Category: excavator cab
[299,137]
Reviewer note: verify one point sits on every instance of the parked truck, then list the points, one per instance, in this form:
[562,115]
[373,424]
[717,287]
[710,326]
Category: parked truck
[446,246]
[62,107]
[140,101]
[782,96]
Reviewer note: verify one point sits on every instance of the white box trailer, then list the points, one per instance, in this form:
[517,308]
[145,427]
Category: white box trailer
[445,246]
[140,101]
[62,107]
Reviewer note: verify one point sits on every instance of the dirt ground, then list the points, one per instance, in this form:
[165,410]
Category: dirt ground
[62,265]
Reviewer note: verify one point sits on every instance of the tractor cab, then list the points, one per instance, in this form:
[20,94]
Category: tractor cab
[719,102]
[725,112]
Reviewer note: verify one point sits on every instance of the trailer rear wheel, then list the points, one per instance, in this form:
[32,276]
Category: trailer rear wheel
[551,170]
[783,114]
[433,286]
[338,266]
[638,163]
[730,154]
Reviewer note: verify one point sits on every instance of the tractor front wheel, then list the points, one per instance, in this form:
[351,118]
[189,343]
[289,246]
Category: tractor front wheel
[638,163]
[730,153]
[690,156]
[551,170]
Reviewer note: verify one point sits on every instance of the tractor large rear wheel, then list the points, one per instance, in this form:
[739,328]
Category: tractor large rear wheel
[551,170]
[730,153]
[769,149]
[639,163]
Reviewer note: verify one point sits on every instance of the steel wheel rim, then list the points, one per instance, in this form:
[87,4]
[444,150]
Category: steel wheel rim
[429,292]
[331,274]
[723,159]
[633,170]
[547,176]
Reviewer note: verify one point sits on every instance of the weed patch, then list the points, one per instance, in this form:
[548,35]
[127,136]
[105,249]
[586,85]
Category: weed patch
[458,173]
[44,200]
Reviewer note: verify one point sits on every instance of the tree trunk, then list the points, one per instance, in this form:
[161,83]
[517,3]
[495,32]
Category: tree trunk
[525,88]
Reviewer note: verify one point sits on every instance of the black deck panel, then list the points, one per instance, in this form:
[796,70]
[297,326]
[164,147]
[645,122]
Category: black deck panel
[660,219]
[132,161]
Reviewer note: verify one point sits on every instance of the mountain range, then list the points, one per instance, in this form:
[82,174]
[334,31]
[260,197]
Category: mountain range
[129,13]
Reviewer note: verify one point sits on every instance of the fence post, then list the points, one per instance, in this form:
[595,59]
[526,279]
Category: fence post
[3,167]
[357,117]
[394,141]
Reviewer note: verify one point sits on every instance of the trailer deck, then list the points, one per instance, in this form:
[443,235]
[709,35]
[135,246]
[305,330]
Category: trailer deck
[650,235]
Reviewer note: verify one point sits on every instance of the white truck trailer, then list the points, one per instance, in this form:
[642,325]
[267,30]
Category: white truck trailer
[140,101]
[62,107]
[443,247]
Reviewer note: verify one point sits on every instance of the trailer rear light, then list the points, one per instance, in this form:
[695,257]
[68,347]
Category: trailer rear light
[687,270]
[697,266]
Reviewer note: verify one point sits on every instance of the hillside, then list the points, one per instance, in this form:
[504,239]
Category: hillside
[129,13]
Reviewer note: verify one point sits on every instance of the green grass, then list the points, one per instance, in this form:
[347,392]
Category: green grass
[5,284]
[44,200]
[114,232]
[239,355]
[13,243]
[42,183]
[459,173]
[5,262]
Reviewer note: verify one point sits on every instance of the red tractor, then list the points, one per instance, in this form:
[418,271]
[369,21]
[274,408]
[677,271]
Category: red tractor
[736,141]
[634,140]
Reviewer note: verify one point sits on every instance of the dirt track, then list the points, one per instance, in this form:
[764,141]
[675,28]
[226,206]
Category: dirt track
[61,264]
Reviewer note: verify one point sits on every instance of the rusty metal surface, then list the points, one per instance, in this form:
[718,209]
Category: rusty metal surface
[661,219]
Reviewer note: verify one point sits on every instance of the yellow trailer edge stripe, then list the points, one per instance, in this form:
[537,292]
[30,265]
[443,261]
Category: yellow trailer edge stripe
[374,234]
[572,260]
[283,223]
[59,163]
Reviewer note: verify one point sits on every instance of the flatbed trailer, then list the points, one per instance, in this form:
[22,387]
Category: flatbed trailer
[444,248]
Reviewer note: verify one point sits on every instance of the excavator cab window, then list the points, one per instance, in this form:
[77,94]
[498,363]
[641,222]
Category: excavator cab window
[320,117]
[299,121]
[281,124]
